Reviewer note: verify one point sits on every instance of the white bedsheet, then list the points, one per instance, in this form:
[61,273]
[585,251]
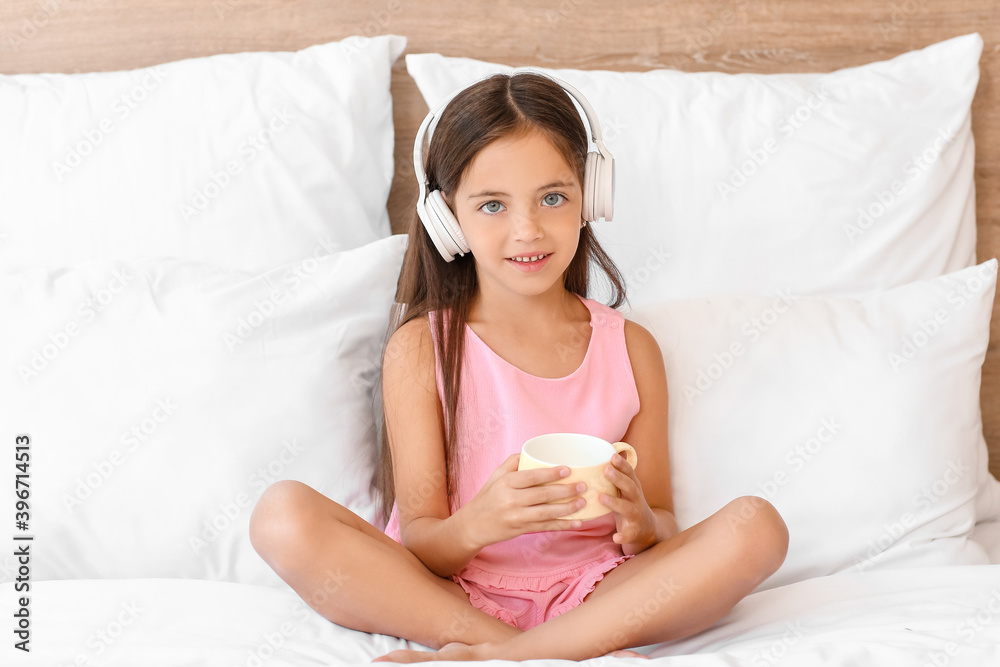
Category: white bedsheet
[922,616]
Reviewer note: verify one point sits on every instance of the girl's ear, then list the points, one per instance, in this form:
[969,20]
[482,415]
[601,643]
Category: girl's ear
[448,203]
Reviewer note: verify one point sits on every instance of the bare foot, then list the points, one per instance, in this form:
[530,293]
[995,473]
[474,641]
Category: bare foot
[452,651]
[459,651]
[625,653]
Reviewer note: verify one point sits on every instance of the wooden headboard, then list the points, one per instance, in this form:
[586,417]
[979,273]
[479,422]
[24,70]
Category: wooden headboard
[721,35]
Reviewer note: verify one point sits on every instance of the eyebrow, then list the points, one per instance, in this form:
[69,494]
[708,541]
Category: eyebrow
[492,193]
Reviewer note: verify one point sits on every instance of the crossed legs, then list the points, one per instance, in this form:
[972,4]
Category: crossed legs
[673,589]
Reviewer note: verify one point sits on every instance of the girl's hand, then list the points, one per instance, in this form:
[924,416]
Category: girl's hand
[634,519]
[513,502]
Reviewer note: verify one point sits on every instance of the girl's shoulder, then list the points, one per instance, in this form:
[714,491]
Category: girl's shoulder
[412,332]
[643,350]
[411,347]
[640,343]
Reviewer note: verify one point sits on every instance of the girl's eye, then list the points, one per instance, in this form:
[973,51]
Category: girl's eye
[553,199]
[492,207]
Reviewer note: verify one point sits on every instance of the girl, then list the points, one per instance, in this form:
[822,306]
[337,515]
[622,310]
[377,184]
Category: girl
[495,347]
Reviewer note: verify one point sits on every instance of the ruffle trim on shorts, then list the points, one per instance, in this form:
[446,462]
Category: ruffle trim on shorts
[483,603]
[542,582]
[587,585]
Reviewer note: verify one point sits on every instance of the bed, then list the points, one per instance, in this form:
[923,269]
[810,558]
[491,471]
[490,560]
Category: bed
[204,214]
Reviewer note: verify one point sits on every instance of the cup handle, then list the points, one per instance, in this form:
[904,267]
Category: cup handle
[627,451]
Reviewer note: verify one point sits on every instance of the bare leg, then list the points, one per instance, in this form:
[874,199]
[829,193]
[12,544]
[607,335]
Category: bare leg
[671,590]
[356,576]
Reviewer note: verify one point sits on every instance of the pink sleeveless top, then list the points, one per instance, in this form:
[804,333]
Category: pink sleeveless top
[501,406]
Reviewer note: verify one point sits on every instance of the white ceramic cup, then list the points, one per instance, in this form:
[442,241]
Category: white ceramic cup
[586,456]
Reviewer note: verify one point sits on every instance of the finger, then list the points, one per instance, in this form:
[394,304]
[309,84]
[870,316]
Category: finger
[627,484]
[547,493]
[546,512]
[522,479]
[564,509]
[622,464]
[626,535]
[555,525]
[622,506]
[553,517]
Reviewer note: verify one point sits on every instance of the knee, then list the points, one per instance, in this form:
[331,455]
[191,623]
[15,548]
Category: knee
[280,519]
[760,532]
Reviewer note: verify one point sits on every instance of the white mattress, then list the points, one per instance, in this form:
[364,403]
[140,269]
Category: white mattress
[921,616]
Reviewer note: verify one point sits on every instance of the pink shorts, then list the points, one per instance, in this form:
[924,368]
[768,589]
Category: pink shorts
[524,602]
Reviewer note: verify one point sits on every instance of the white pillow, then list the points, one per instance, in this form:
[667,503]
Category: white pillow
[858,419]
[987,533]
[812,149]
[162,396]
[246,160]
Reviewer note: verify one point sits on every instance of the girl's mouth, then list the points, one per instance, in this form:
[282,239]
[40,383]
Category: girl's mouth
[530,262]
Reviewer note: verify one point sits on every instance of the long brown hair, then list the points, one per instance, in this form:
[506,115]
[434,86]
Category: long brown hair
[500,106]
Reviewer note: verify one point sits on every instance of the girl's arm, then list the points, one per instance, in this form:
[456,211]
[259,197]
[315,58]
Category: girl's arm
[415,426]
[647,433]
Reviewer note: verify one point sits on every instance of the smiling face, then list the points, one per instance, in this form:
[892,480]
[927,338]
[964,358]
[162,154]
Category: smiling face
[519,205]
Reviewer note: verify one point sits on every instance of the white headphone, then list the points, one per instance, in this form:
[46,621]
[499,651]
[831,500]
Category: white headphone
[440,222]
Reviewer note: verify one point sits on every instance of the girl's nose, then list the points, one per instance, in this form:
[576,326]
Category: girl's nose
[527,227]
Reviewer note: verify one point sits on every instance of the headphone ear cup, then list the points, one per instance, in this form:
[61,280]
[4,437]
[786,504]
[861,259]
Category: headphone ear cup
[446,222]
[598,188]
